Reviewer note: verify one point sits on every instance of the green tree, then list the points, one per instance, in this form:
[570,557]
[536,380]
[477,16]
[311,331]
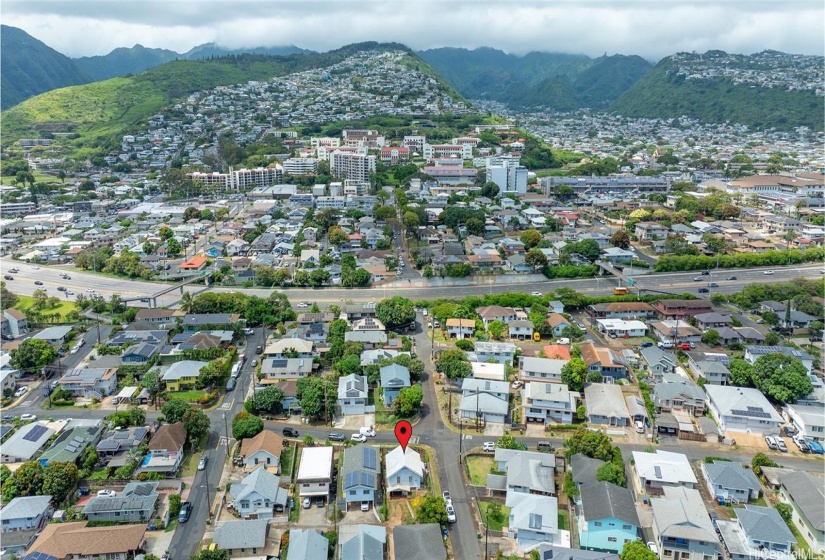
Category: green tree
[507,441]
[350,364]
[267,399]
[32,355]
[530,238]
[785,512]
[217,554]
[427,271]
[408,401]
[151,382]
[783,379]
[637,550]
[490,189]
[196,424]
[174,409]
[711,337]
[7,298]
[395,312]
[741,373]
[574,374]
[592,444]
[611,472]
[337,236]
[620,239]
[496,329]
[173,247]
[28,478]
[772,338]
[535,258]
[245,425]
[581,412]
[761,460]
[454,364]
[411,220]
[432,509]
[59,479]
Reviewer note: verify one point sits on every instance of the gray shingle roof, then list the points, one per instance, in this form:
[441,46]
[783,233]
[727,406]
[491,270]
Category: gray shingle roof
[136,496]
[602,500]
[307,545]
[261,481]
[25,506]
[764,524]
[731,475]
[241,534]
[419,542]
[808,494]
[368,544]
[584,468]
[395,375]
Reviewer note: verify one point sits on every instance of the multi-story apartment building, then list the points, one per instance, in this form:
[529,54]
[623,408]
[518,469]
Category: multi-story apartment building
[352,166]
[301,166]
[508,175]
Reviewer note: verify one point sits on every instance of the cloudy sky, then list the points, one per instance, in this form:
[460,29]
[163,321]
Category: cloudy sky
[650,28]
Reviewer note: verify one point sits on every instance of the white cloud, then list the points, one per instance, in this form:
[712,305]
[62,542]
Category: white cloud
[652,29]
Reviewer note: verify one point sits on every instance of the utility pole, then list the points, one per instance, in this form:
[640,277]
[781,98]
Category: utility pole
[206,487]
[225,430]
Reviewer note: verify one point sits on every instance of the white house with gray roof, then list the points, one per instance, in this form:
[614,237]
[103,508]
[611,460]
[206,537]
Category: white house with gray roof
[809,419]
[533,520]
[485,400]
[662,469]
[405,470]
[742,409]
[242,538]
[682,395]
[755,532]
[681,526]
[731,481]
[605,404]
[353,394]
[502,352]
[527,472]
[549,403]
[26,513]
[25,443]
[547,370]
[258,495]
[806,495]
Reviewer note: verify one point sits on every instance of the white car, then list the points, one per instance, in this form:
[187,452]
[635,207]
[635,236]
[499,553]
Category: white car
[360,438]
[21,391]
[28,417]
[90,290]
[768,273]
[450,514]
[106,493]
[537,294]
[489,446]
[69,293]
[640,427]
[249,331]
[516,384]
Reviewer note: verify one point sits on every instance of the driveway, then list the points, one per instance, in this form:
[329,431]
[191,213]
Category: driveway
[313,517]
[357,517]
[494,429]
[355,421]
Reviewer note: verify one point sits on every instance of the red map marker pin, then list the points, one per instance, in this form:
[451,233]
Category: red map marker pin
[403,433]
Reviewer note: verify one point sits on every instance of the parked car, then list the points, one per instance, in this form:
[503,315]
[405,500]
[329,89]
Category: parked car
[336,436]
[248,332]
[789,431]
[7,277]
[815,338]
[814,446]
[665,344]
[489,446]
[653,548]
[640,427]
[365,506]
[684,346]
[361,438]
[307,503]
[647,344]
[768,273]
[771,441]
[202,463]
[21,391]
[28,417]
[450,514]
[319,502]
[290,432]
[447,498]
[780,444]
[802,444]
[537,294]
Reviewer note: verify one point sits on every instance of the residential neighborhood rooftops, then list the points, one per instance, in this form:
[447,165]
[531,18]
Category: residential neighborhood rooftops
[419,542]
[246,534]
[663,466]
[602,500]
[808,493]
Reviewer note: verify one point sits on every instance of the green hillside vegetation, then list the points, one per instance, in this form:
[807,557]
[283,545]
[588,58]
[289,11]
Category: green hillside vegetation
[102,112]
[31,67]
[661,93]
[562,82]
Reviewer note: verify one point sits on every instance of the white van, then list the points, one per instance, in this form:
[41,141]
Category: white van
[367,432]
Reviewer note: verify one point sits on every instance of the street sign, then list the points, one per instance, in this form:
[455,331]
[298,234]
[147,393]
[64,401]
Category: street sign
[630,281]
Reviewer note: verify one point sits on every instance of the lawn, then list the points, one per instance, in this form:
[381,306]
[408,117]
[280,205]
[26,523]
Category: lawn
[496,523]
[564,524]
[479,468]
[39,177]
[27,302]
[286,460]
[190,396]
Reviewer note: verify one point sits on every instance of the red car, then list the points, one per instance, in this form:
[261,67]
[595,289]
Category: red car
[684,346]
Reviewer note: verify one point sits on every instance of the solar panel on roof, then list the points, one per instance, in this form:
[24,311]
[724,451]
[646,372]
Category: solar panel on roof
[657,470]
[370,457]
[36,433]
[71,448]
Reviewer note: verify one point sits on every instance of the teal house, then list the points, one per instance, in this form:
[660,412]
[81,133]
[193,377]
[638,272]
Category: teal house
[608,517]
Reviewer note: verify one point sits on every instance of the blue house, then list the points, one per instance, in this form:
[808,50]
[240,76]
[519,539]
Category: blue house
[361,471]
[608,518]
[394,377]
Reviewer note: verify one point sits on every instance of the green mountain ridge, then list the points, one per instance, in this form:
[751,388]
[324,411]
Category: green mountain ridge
[124,61]
[31,67]
[664,93]
[101,112]
[558,81]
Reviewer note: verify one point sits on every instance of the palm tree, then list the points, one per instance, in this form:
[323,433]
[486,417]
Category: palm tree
[187,302]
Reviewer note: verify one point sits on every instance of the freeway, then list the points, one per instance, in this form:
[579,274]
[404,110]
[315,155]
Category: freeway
[675,282]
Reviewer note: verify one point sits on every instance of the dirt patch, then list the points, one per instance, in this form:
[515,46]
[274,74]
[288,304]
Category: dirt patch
[749,440]
[399,512]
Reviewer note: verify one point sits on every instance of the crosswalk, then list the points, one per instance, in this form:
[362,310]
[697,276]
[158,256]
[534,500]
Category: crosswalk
[26,403]
[226,406]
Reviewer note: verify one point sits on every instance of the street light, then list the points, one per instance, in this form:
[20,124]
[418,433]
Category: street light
[206,487]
